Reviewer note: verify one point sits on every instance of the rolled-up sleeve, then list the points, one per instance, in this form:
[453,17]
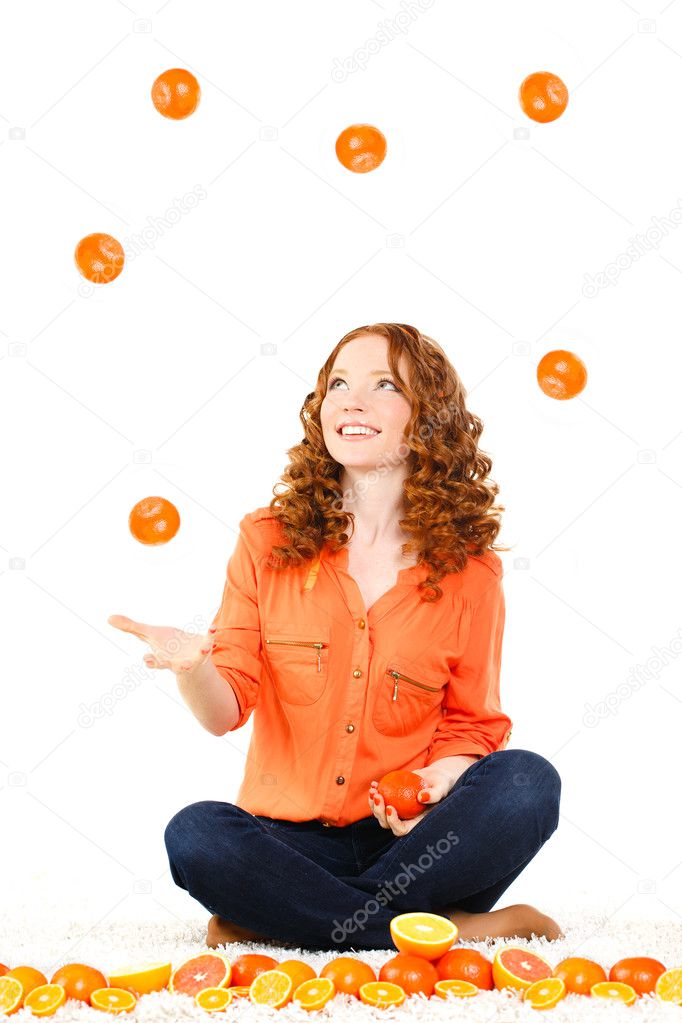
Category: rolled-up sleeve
[236,649]
[473,721]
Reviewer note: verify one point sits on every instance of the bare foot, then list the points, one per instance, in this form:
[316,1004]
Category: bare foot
[517,921]
[223,932]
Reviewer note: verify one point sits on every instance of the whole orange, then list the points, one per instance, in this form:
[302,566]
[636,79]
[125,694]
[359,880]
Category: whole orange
[361,148]
[412,973]
[561,374]
[28,977]
[543,96]
[99,257]
[466,964]
[579,974]
[3,969]
[348,974]
[79,980]
[399,789]
[248,966]
[176,93]
[154,520]
[640,972]
[297,970]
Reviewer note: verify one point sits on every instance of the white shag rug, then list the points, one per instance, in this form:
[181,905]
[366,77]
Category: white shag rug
[46,936]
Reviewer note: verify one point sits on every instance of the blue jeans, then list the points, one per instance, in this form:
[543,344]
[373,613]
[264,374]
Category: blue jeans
[338,888]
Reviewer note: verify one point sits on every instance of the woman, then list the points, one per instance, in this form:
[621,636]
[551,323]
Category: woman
[363,652]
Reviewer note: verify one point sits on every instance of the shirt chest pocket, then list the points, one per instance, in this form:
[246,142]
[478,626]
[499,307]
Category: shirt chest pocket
[298,658]
[407,694]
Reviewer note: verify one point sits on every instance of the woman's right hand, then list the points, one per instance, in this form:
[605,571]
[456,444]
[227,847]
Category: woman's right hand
[181,652]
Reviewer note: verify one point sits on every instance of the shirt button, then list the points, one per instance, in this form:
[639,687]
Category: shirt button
[340,780]
[361,623]
[357,673]
[350,728]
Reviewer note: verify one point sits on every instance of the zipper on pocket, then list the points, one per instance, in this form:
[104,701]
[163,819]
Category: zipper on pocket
[303,642]
[398,674]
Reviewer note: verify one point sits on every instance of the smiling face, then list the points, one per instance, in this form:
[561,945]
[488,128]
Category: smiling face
[361,389]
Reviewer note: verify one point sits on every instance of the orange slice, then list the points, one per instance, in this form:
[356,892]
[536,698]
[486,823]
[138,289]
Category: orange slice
[45,999]
[615,990]
[428,935]
[668,986]
[545,993]
[272,987]
[239,990]
[214,999]
[518,967]
[461,988]
[113,999]
[314,993]
[210,969]
[11,995]
[142,979]
[382,993]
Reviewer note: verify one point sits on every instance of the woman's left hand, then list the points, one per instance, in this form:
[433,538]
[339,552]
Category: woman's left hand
[439,782]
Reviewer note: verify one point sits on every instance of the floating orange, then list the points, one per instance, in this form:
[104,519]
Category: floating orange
[297,970]
[429,935]
[154,520]
[45,999]
[141,980]
[271,987]
[213,999]
[361,148]
[466,964]
[544,994]
[382,993]
[209,969]
[668,986]
[579,974]
[640,972]
[400,789]
[113,999]
[518,967]
[246,968]
[561,374]
[348,974]
[11,995]
[413,973]
[614,990]
[79,980]
[543,96]
[176,93]
[313,994]
[99,257]
[28,977]
[454,986]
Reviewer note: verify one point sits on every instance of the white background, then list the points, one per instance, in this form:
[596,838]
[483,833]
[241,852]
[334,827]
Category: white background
[479,234]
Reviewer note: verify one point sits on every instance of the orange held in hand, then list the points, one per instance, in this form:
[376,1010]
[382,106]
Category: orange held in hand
[176,93]
[99,257]
[543,96]
[154,520]
[400,790]
[361,148]
[561,374]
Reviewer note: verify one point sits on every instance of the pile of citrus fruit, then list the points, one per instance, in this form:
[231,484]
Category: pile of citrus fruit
[426,965]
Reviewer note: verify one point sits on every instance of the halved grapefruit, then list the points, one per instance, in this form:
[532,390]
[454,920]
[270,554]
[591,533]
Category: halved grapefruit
[518,967]
[210,969]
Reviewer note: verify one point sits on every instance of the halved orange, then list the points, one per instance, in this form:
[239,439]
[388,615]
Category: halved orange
[272,987]
[382,993]
[615,990]
[11,995]
[461,988]
[518,967]
[113,999]
[428,935]
[209,969]
[545,993]
[142,979]
[314,993]
[668,986]
[213,999]
[45,999]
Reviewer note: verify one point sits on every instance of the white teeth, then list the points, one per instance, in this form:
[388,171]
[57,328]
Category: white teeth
[358,429]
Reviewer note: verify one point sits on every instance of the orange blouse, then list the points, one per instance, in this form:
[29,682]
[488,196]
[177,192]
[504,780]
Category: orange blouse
[343,695]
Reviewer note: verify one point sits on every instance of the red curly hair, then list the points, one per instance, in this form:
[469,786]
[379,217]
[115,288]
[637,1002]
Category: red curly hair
[448,499]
